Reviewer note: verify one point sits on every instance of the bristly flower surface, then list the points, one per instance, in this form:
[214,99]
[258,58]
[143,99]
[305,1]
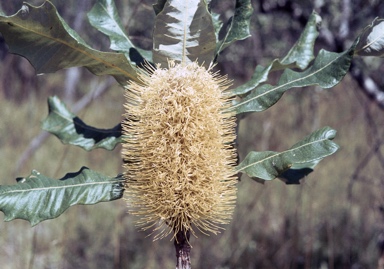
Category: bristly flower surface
[178,150]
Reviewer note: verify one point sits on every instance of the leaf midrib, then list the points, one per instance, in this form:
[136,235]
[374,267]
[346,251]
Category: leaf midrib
[281,86]
[61,187]
[287,151]
[112,66]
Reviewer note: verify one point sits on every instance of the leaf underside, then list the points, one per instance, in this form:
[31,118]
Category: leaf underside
[371,41]
[71,130]
[41,35]
[184,32]
[302,156]
[38,198]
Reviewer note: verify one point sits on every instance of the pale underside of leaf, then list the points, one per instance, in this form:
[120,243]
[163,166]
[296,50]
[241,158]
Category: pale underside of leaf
[38,198]
[371,41]
[184,32]
[269,165]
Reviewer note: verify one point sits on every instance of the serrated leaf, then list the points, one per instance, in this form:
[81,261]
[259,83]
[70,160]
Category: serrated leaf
[71,130]
[184,32]
[38,198]
[371,41]
[299,56]
[104,17]
[41,35]
[269,165]
[237,28]
[327,70]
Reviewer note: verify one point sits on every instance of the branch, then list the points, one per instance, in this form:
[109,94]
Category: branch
[183,250]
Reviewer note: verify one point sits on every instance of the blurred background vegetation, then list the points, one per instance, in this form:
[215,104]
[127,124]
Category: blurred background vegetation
[333,219]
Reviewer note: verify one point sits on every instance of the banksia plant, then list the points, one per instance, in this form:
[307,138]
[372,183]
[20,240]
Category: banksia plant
[178,150]
[178,133]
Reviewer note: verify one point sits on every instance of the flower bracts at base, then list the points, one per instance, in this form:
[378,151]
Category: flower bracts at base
[178,150]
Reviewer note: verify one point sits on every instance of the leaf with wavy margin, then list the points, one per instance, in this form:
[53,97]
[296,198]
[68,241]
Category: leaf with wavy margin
[184,32]
[105,18]
[299,56]
[269,165]
[38,198]
[237,28]
[71,130]
[41,35]
[328,69]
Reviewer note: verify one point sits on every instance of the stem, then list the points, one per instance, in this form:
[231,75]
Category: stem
[183,250]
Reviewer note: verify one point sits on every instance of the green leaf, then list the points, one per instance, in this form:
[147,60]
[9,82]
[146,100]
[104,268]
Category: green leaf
[184,32]
[42,36]
[217,23]
[38,198]
[327,70]
[71,130]
[305,154]
[104,17]
[371,41]
[299,56]
[237,28]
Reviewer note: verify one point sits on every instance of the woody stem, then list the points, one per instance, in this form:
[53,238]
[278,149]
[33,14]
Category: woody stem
[183,250]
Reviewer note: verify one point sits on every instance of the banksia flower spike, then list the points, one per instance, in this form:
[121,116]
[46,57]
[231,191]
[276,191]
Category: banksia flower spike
[178,150]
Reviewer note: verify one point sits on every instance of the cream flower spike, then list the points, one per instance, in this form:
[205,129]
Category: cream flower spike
[178,150]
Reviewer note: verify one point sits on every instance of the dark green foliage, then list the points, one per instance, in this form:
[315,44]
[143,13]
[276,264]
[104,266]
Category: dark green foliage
[72,130]
[237,28]
[328,69]
[37,198]
[42,36]
[103,16]
[269,165]
[299,56]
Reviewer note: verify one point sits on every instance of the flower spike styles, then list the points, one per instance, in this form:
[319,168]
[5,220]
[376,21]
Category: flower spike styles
[178,150]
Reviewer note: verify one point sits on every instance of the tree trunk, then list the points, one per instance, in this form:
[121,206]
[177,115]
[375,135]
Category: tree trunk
[183,250]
